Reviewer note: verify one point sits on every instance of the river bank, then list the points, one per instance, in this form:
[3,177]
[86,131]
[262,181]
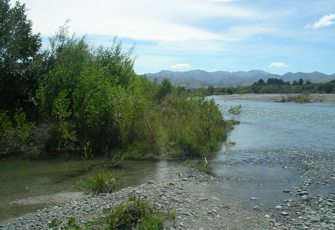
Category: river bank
[198,202]
[279,175]
[201,203]
[323,98]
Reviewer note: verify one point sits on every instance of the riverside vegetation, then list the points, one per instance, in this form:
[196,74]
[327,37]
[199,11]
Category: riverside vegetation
[81,101]
[85,101]
[274,85]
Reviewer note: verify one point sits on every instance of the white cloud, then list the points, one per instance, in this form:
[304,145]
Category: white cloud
[278,64]
[325,21]
[181,66]
[154,20]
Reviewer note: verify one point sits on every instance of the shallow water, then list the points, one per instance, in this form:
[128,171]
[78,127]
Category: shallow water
[26,184]
[266,140]
[269,126]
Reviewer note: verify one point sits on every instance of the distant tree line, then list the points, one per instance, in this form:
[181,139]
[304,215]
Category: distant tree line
[275,85]
[85,101]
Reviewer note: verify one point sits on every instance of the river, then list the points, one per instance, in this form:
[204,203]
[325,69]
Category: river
[263,162]
[272,141]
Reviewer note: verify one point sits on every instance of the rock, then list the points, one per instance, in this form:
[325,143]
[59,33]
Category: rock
[302,193]
[304,197]
[286,190]
[279,207]
[315,219]
[256,208]
[284,213]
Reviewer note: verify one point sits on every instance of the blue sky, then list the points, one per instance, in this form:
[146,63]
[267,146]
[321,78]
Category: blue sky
[231,35]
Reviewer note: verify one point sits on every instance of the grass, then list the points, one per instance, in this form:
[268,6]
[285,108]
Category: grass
[200,165]
[135,213]
[101,182]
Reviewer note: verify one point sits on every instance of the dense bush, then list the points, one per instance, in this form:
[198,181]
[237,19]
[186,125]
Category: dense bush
[99,105]
[16,135]
[193,126]
[88,101]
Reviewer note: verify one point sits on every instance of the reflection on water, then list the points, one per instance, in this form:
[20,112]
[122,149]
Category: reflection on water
[25,179]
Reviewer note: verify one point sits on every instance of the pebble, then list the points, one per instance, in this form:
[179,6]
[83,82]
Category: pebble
[284,213]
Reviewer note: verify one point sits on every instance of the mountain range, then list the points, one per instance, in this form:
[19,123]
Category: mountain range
[201,78]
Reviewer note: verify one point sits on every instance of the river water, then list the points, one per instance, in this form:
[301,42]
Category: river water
[267,138]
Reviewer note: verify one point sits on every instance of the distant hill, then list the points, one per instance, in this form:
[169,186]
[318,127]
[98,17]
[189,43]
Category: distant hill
[200,78]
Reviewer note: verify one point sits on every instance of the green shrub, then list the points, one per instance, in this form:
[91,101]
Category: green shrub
[102,182]
[16,135]
[301,98]
[192,126]
[135,213]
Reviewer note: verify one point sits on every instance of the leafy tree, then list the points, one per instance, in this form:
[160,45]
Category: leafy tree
[301,81]
[18,53]
[164,88]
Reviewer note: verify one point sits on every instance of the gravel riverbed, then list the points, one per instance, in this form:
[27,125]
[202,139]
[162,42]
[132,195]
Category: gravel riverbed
[201,204]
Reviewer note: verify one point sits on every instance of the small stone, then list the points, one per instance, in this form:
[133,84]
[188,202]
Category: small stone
[150,182]
[253,198]
[279,207]
[284,213]
[302,193]
[267,216]
[256,208]
[315,219]
[286,190]
[304,197]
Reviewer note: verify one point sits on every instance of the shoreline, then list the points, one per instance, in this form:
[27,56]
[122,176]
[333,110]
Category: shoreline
[316,98]
[198,202]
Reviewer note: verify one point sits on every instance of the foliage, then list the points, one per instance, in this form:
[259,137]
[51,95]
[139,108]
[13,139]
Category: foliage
[101,182]
[16,135]
[71,224]
[99,105]
[235,111]
[274,85]
[201,166]
[18,55]
[135,213]
[172,214]
[164,89]
[92,100]
[301,98]
[193,126]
